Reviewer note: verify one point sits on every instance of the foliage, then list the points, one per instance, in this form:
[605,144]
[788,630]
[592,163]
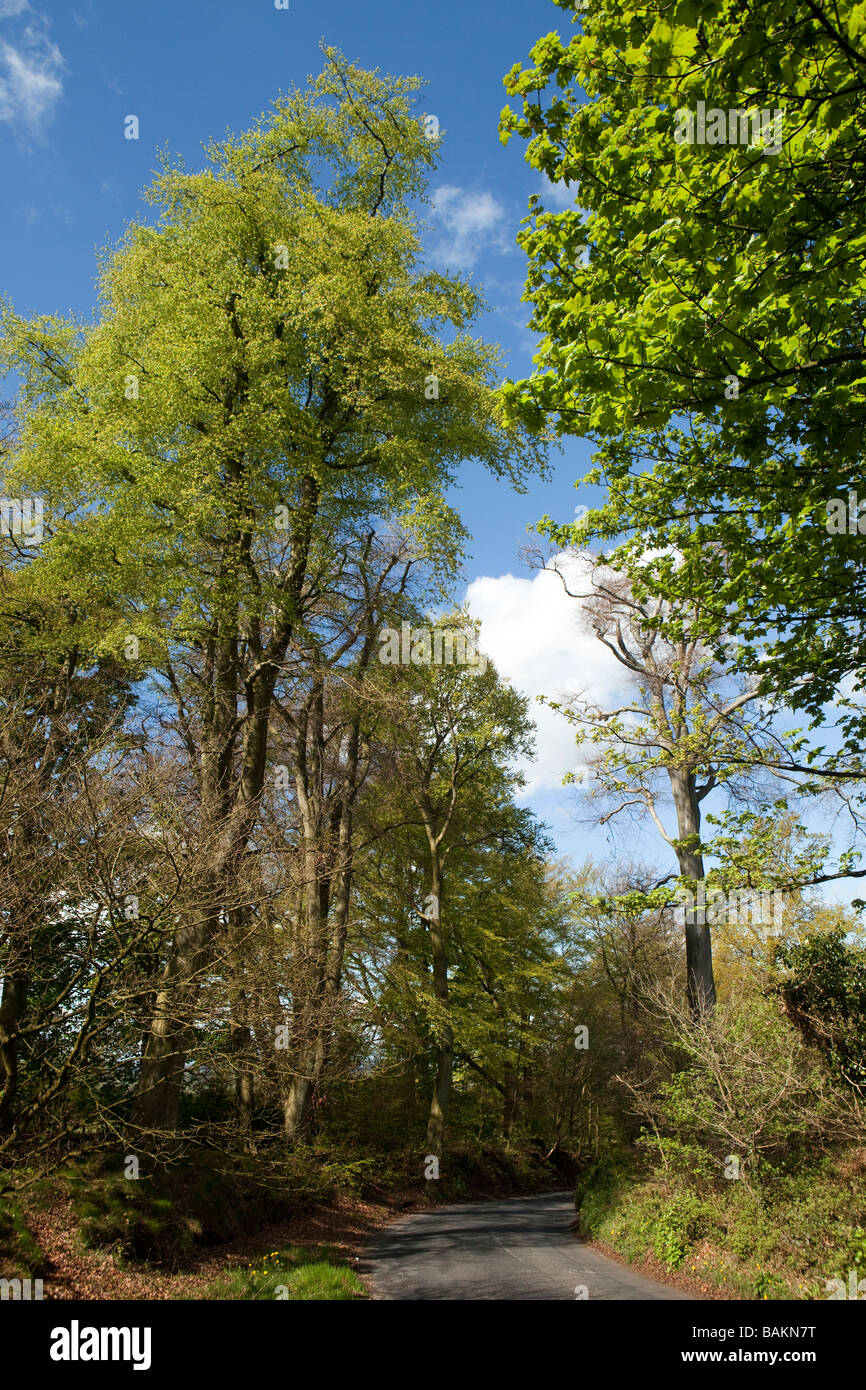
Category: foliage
[785,1245]
[822,981]
[745,1087]
[711,338]
[162,1214]
[20,1252]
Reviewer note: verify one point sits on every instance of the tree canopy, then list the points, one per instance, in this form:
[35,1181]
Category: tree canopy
[710,339]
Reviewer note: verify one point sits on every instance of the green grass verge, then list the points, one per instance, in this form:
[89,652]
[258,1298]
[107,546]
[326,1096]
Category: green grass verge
[296,1273]
[785,1240]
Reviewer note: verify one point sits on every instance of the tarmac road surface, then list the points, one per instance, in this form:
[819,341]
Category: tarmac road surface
[516,1248]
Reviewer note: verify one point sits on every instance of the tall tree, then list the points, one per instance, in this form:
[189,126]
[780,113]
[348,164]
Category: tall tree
[454,730]
[711,339]
[680,730]
[266,372]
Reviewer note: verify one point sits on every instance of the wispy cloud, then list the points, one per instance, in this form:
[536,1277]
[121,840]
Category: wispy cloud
[555,196]
[472,223]
[30,74]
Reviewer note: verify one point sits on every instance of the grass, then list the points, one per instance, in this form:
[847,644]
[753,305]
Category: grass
[296,1273]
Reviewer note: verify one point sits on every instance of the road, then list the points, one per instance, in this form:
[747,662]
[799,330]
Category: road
[516,1248]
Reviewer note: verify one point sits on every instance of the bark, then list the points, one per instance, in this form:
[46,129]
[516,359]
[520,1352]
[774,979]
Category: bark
[298,1102]
[12,1006]
[440,1101]
[326,946]
[329,864]
[509,1102]
[309,792]
[699,953]
[228,818]
[169,1037]
[240,1033]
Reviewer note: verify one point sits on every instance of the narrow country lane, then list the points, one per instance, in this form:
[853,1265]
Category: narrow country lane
[516,1248]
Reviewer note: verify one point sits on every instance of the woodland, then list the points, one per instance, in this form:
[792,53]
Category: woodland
[278,930]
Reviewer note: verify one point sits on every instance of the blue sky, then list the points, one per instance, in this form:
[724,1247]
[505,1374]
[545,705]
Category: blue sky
[70,75]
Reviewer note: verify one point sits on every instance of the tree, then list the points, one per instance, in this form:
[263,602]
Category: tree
[331,726]
[744,1086]
[505,908]
[505,915]
[682,728]
[58,714]
[454,731]
[822,984]
[620,948]
[711,341]
[256,388]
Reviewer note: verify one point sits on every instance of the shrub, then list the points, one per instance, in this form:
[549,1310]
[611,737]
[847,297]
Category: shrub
[21,1256]
[744,1084]
[212,1198]
[683,1220]
[599,1189]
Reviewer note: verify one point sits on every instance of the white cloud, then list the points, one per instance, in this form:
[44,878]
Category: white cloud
[30,82]
[9,8]
[532,630]
[555,196]
[472,223]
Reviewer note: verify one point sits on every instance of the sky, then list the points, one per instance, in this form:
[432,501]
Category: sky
[70,76]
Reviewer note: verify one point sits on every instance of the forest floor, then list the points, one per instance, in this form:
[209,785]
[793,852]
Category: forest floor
[80,1273]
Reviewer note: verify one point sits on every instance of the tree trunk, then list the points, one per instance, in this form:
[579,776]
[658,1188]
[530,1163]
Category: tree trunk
[509,1101]
[305,1005]
[441,1098]
[699,953]
[308,987]
[328,940]
[229,813]
[164,1059]
[12,1006]
[240,1034]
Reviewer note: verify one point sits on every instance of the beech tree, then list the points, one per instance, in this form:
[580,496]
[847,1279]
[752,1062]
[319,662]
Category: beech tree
[265,372]
[701,308]
[454,731]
